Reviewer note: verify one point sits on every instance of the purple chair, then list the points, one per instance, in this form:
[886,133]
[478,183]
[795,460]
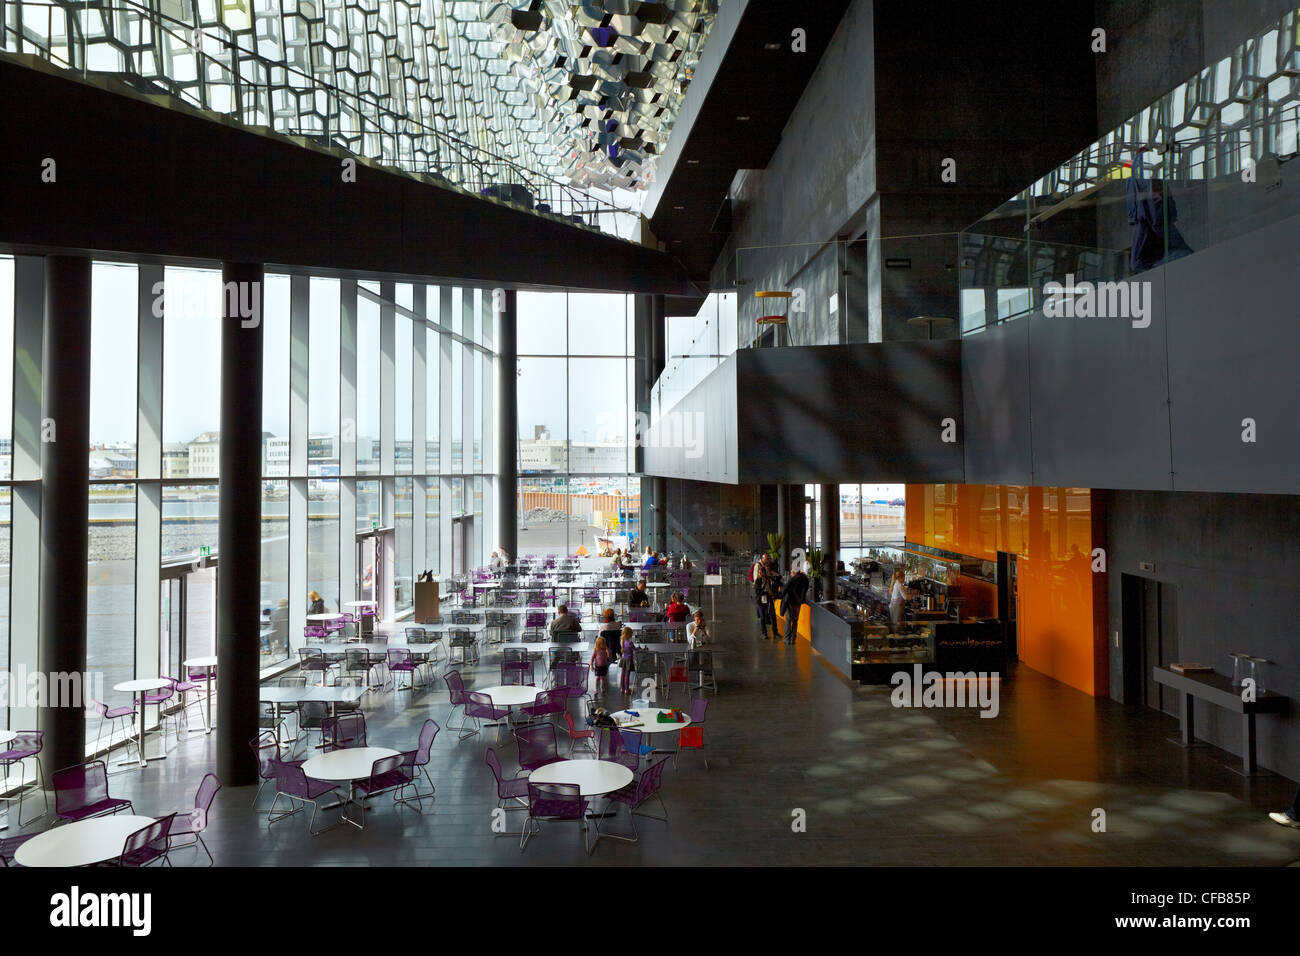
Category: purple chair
[387,775]
[480,707]
[613,746]
[27,745]
[9,846]
[538,746]
[545,705]
[267,750]
[157,698]
[534,620]
[456,688]
[82,792]
[518,671]
[401,661]
[417,762]
[343,731]
[514,790]
[296,787]
[147,845]
[195,822]
[636,793]
[183,687]
[572,678]
[114,714]
[554,801]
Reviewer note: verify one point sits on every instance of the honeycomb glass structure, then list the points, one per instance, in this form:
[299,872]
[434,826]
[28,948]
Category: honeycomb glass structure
[539,103]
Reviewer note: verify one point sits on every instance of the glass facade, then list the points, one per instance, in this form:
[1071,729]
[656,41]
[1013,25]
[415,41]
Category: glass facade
[353,417]
[575,422]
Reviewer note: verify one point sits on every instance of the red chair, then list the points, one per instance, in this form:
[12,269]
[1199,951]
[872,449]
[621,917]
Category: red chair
[691,737]
[587,736]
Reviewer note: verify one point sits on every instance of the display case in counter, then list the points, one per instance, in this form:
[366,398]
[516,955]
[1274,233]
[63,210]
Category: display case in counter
[867,652]
[883,650]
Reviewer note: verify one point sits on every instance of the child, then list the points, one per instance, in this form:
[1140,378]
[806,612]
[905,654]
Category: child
[600,665]
[628,651]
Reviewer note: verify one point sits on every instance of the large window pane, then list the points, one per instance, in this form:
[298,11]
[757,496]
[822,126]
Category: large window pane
[368,427]
[542,323]
[543,417]
[432,423]
[543,515]
[323,540]
[275,377]
[403,575]
[480,369]
[275,572]
[110,578]
[323,381]
[113,336]
[432,550]
[598,429]
[368,505]
[192,366]
[457,404]
[403,357]
[598,324]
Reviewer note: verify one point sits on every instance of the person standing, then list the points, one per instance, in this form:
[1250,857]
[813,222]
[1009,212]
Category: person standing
[768,588]
[793,597]
[898,595]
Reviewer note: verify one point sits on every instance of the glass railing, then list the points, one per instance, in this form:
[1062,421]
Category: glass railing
[212,72]
[1201,165]
[888,289]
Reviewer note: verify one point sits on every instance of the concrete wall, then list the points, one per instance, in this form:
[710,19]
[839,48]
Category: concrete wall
[1096,402]
[1233,561]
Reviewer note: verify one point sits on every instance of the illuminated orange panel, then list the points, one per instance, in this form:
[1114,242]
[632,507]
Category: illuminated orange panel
[1061,605]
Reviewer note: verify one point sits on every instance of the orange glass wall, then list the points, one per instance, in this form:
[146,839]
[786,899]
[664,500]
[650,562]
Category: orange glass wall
[1061,614]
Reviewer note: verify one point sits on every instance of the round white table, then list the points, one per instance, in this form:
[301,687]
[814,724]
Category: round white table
[324,617]
[650,723]
[208,661]
[81,843]
[594,778]
[346,766]
[360,603]
[509,695]
[140,687]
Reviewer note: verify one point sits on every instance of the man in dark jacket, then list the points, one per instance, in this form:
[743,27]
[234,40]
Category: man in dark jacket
[638,597]
[793,597]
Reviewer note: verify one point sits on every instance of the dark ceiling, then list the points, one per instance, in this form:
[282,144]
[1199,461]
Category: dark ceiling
[753,81]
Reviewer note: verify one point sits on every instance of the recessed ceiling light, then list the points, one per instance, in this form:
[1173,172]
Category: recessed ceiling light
[743,119]
[771,46]
[679,207]
[692,162]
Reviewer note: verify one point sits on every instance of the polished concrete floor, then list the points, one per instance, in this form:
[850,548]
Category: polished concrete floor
[790,741]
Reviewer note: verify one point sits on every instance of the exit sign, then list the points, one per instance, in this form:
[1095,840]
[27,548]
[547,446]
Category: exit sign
[205,551]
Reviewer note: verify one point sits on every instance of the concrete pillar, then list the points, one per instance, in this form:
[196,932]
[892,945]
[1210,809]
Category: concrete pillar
[239,533]
[508,426]
[65,505]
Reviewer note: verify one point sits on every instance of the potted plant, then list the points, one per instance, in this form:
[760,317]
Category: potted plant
[774,542]
[816,565]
